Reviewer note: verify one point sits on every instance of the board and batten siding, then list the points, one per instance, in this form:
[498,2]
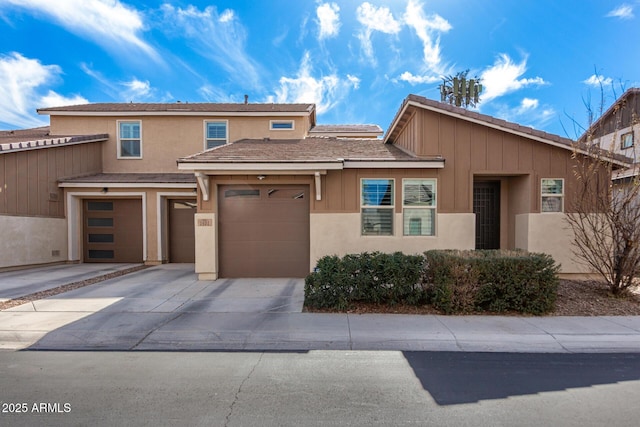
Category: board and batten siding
[29,179]
[473,150]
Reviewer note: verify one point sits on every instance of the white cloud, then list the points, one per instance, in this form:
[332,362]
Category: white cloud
[328,19]
[504,77]
[374,19]
[22,90]
[220,38]
[427,29]
[326,91]
[624,11]
[597,81]
[528,104]
[53,99]
[137,90]
[108,23]
[355,81]
[528,113]
[227,16]
[413,79]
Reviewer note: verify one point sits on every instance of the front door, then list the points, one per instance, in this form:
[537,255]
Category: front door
[486,206]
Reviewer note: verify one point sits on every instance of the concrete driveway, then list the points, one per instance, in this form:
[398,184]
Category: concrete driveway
[120,313]
[167,308]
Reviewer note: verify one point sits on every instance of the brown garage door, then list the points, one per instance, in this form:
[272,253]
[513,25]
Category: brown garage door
[264,231]
[182,241]
[112,230]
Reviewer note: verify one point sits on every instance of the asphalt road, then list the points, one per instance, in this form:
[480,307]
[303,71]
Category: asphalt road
[318,388]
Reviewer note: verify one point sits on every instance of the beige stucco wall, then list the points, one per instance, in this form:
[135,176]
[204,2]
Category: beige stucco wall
[339,234]
[168,138]
[31,240]
[206,246]
[549,233]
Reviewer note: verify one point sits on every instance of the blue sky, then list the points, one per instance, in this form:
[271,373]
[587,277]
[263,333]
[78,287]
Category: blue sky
[357,60]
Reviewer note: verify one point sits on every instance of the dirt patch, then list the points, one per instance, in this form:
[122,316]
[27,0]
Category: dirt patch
[575,298]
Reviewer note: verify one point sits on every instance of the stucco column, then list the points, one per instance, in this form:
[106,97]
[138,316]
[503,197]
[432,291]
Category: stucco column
[206,246]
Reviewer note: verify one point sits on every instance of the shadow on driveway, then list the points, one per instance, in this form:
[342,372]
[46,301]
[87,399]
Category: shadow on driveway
[454,378]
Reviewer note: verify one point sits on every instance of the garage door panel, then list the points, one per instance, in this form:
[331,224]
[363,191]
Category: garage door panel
[112,230]
[266,233]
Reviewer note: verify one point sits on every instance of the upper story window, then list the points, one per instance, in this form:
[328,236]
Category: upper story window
[281,125]
[626,140]
[552,191]
[376,203]
[130,139]
[215,133]
[419,207]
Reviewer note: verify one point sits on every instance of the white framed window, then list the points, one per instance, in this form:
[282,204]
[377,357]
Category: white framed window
[419,207]
[130,139]
[377,205]
[216,133]
[626,140]
[281,125]
[552,195]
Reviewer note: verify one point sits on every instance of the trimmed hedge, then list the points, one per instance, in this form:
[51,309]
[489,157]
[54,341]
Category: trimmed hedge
[367,277]
[451,281]
[494,281]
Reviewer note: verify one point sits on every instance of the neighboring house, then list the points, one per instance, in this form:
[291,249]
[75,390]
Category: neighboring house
[268,191]
[443,177]
[33,228]
[618,131]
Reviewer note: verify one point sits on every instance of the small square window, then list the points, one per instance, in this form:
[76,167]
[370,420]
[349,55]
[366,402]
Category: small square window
[130,140]
[626,140]
[552,193]
[281,125]
[215,134]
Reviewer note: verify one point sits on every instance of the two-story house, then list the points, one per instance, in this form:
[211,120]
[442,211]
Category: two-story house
[617,131]
[261,190]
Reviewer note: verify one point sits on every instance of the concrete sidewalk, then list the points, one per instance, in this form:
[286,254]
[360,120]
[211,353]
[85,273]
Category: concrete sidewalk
[167,308]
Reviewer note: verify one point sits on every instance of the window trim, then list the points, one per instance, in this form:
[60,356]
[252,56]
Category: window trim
[559,195]
[392,207]
[226,133]
[433,207]
[622,140]
[119,155]
[272,122]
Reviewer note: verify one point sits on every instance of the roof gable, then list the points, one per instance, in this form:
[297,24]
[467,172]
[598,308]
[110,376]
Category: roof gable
[415,101]
[624,112]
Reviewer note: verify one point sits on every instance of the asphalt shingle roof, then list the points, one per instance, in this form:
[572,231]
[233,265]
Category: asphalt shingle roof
[183,107]
[300,150]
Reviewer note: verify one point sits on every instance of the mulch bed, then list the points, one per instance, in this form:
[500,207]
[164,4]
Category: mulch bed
[575,298]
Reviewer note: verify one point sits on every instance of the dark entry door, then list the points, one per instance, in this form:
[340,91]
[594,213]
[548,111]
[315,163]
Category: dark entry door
[182,236]
[486,206]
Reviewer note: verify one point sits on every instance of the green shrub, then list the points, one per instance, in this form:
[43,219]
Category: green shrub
[367,277]
[452,281]
[496,281]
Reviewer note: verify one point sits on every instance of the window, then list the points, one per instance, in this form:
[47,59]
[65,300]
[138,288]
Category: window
[626,140]
[419,207]
[281,125]
[215,134]
[552,195]
[129,140]
[377,202]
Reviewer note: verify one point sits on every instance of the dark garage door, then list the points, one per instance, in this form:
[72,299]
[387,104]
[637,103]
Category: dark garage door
[182,242]
[112,230]
[263,231]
